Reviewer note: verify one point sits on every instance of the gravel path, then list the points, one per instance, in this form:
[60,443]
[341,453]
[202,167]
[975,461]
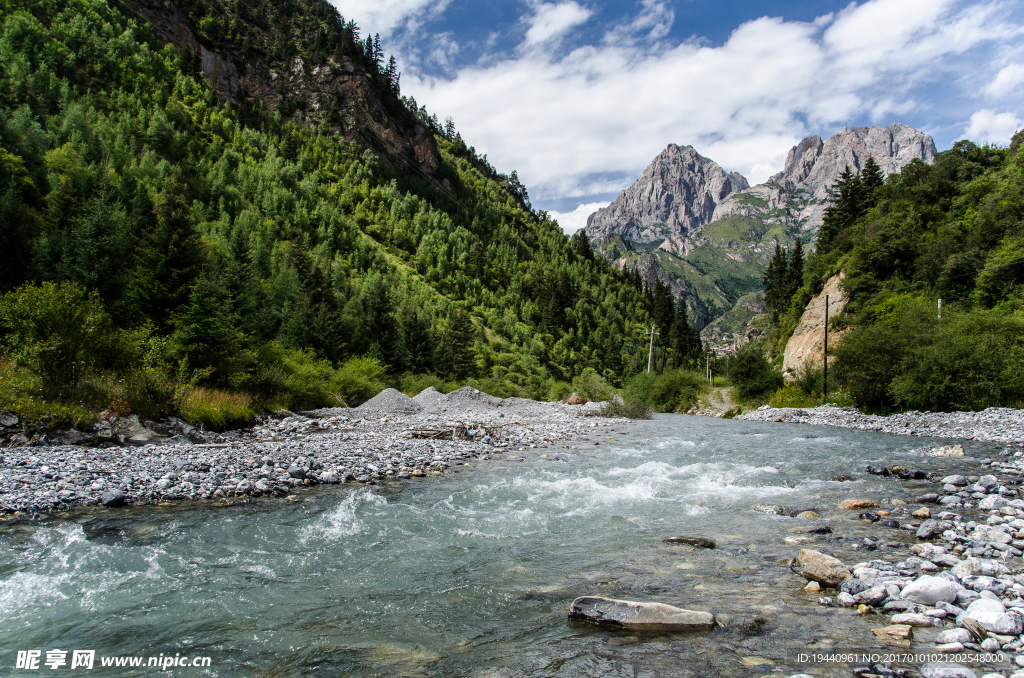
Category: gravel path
[391,436]
[996,424]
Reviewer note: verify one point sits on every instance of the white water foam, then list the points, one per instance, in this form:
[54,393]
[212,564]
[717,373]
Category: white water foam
[342,521]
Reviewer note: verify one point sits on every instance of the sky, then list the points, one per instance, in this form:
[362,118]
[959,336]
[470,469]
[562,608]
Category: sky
[578,96]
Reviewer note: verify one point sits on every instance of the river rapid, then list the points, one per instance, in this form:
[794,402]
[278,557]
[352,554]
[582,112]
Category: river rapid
[472,573]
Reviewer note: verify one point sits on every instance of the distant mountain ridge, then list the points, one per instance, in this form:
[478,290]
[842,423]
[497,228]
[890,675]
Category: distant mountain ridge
[708,234]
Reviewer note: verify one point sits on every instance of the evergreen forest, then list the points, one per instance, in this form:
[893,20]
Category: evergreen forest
[933,266]
[164,251]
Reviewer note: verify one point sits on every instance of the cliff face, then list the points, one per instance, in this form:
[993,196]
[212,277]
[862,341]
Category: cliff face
[807,345]
[709,236]
[334,92]
[797,196]
[676,194]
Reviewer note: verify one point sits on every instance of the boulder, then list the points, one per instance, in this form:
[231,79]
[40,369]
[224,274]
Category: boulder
[928,590]
[824,569]
[991,534]
[954,636]
[576,400]
[913,619]
[979,567]
[992,502]
[857,504]
[296,472]
[922,513]
[957,480]
[948,451]
[992,616]
[638,616]
[929,529]
[698,542]
[113,498]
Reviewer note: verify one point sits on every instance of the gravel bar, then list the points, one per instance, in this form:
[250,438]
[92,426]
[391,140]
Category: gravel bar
[996,424]
[390,437]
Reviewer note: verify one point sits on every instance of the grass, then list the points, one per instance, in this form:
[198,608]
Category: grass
[216,409]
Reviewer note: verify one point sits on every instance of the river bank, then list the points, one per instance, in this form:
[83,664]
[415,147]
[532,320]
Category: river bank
[389,437]
[996,424]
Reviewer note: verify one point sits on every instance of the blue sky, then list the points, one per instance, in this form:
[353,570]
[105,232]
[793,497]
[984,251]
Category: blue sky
[579,95]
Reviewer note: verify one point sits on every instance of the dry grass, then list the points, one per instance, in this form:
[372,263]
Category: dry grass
[216,409]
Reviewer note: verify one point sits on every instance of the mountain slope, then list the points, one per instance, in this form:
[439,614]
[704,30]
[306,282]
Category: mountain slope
[709,236]
[253,238]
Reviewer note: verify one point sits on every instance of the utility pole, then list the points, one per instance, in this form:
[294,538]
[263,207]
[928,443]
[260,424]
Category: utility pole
[824,386]
[940,309]
[650,350]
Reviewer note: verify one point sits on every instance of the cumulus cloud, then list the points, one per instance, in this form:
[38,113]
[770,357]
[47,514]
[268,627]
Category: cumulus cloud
[577,219]
[550,20]
[989,127]
[598,113]
[384,16]
[1006,81]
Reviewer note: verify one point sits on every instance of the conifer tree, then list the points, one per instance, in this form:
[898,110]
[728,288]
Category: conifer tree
[794,272]
[775,281]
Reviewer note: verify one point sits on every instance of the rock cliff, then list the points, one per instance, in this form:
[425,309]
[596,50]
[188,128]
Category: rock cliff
[807,345]
[335,92]
[708,235]
[676,194]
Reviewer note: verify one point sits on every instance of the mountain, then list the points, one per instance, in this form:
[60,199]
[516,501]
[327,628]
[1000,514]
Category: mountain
[237,197]
[708,234]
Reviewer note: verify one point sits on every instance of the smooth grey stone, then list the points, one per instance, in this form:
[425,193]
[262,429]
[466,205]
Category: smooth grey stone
[636,615]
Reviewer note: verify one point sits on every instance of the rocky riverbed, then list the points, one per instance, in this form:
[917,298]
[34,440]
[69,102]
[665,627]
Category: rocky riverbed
[390,437]
[996,424]
[961,588]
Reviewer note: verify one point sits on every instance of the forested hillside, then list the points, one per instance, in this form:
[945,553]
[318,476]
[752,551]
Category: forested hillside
[156,237]
[954,231]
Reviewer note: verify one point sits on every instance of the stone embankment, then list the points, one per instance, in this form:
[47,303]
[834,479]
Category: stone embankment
[996,424]
[391,436]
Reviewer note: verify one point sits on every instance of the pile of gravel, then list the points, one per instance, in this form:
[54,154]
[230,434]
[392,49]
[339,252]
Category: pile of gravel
[388,402]
[428,397]
[996,424]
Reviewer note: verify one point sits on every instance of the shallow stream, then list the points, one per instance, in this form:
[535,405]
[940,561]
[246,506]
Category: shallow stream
[471,574]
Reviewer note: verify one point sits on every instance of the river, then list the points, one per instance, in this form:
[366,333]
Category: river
[472,573]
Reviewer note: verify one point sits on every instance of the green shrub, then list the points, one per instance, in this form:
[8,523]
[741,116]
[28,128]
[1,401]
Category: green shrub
[792,395]
[671,391]
[358,380]
[592,385]
[57,332]
[626,409]
[751,374]
[908,359]
[559,390]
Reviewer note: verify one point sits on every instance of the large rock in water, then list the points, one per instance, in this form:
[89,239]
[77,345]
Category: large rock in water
[638,616]
[826,570]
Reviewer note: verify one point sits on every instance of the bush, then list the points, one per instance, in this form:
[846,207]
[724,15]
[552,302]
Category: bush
[57,332]
[791,395]
[626,409]
[592,385]
[671,391]
[358,380]
[751,374]
[908,359]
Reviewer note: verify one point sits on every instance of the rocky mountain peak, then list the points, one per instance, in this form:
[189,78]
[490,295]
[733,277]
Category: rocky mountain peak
[678,192]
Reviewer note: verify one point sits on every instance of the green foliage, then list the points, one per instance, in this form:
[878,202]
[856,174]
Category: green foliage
[671,391]
[592,386]
[58,332]
[627,409]
[218,410]
[269,256]
[751,374]
[969,360]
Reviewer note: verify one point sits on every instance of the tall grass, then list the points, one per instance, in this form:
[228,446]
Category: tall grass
[216,409]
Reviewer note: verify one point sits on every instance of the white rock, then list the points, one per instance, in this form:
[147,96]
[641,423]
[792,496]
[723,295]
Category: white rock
[928,590]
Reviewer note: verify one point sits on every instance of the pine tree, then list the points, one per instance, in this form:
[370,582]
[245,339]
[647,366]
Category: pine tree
[846,205]
[775,281]
[871,178]
[206,330]
[456,343]
[580,244]
[418,343]
[794,272]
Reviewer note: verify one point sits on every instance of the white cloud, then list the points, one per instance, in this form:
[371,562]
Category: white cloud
[598,114]
[552,20]
[577,219]
[1006,80]
[988,127]
[384,16]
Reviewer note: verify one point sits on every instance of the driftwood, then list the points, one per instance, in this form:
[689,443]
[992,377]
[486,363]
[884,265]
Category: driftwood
[459,432]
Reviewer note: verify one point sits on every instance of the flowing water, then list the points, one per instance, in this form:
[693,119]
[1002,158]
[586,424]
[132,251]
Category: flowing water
[472,574]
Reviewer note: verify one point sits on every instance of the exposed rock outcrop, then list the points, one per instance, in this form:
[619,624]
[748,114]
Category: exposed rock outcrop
[335,92]
[677,193]
[807,345]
